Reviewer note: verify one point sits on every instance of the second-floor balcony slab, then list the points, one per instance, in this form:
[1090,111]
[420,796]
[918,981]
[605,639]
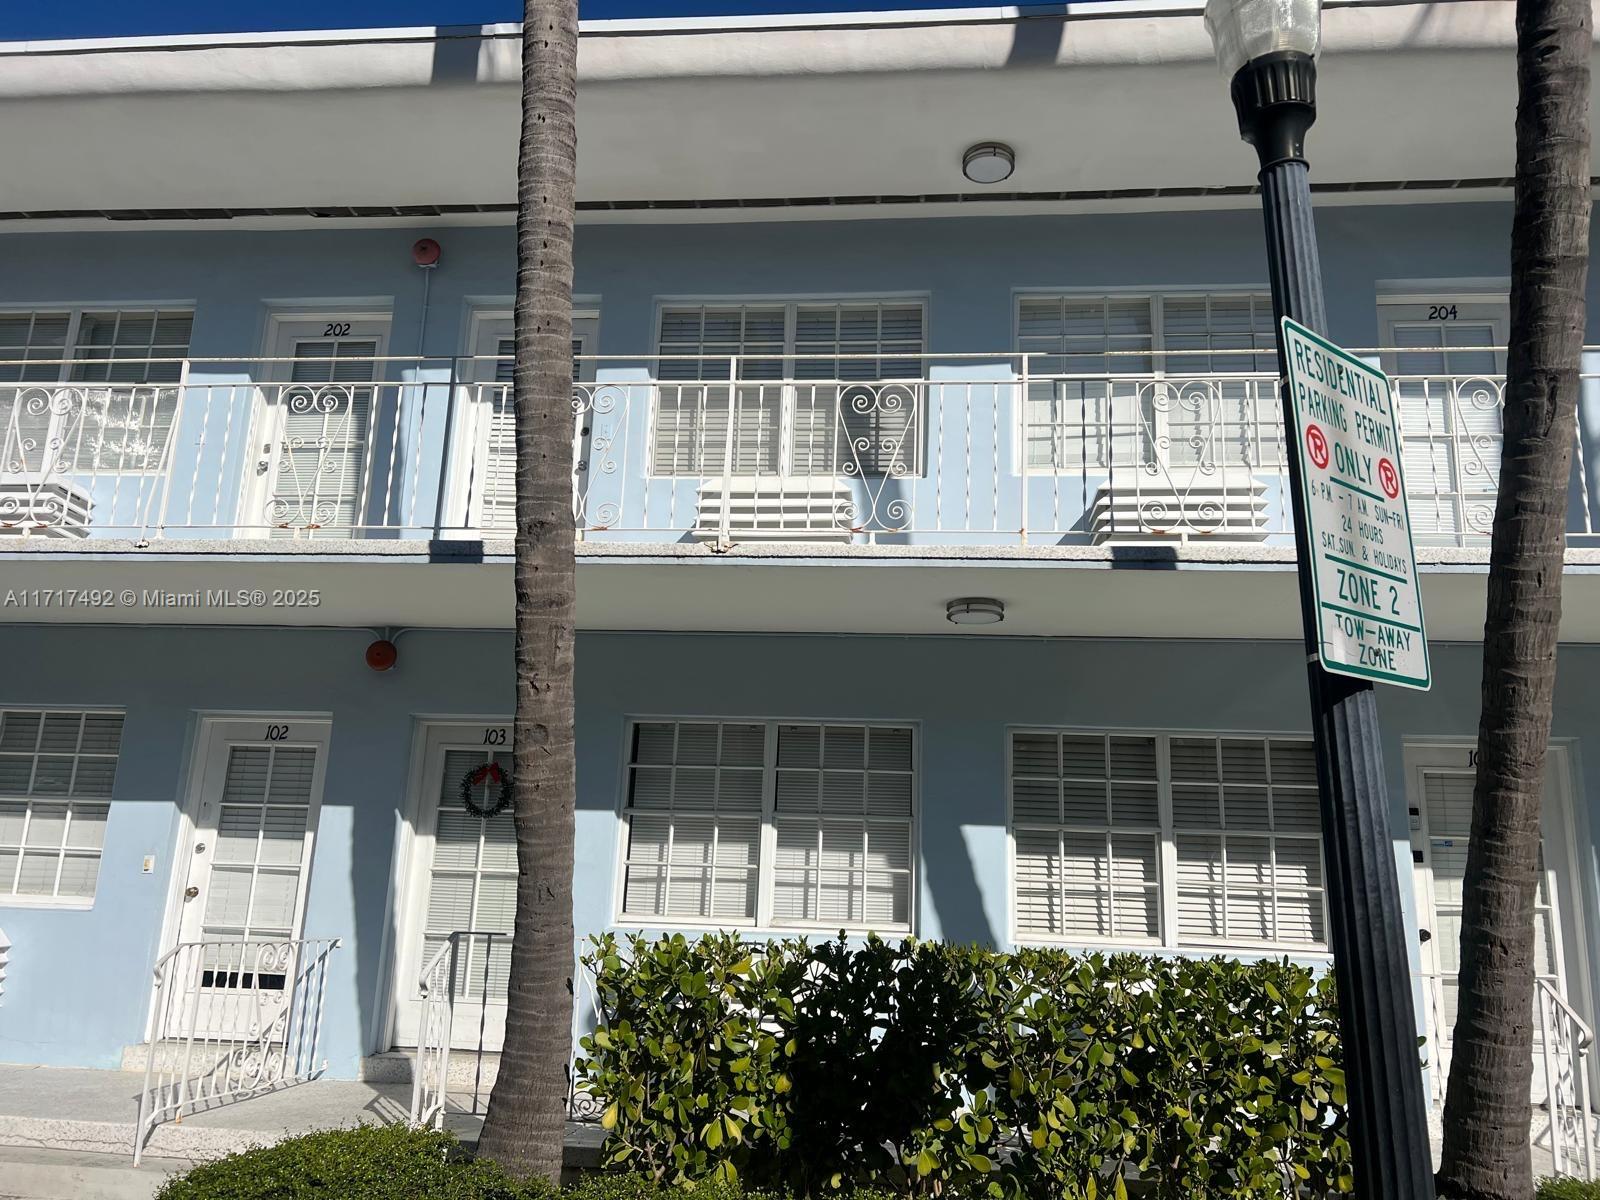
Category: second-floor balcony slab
[1134,495]
[1243,592]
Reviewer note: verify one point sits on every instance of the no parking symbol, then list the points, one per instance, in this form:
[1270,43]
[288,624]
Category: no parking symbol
[1317,446]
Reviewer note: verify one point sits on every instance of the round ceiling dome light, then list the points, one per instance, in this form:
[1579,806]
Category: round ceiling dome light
[975,610]
[989,162]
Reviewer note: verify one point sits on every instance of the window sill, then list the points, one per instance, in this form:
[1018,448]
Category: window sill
[626,923]
[1190,950]
[46,902]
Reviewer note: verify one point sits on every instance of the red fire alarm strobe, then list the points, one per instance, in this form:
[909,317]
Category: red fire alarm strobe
[425,252]
[382,654]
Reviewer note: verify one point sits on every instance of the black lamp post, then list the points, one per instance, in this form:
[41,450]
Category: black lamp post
[1268,48]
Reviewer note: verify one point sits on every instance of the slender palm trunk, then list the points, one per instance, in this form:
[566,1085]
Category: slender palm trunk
[527,1110]
[1487,1107]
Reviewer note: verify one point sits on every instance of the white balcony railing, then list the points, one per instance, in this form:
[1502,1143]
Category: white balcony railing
[974,451]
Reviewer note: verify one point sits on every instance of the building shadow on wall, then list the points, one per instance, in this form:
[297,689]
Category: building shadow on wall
[952,889]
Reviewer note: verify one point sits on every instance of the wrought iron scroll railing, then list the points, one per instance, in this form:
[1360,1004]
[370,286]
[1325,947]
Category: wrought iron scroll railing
[231,1020]
[461,992]
[975,450]
[1565,1045]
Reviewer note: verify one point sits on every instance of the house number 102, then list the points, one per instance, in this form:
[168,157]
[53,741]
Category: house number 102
[276,733]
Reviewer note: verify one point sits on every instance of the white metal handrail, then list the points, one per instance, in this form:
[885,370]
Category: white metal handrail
[430,1073]
[1565,1042]
[231,1020]
[456,988]
[974,450]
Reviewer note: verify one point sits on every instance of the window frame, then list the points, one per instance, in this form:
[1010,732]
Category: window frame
[791,303]
[10,899]
[1168,940]
[1155,297]
[72,358]
[763,924]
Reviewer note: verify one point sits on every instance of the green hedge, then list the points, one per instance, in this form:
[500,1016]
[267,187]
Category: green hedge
[372,1162]
[1565,1187]
[369,1162]
[932,1069]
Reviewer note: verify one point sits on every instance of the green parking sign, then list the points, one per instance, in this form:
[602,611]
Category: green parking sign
[1364,566]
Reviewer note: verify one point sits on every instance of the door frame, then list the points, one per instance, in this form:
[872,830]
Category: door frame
[430,735]
[254,485]
[1559,821]
[211,725]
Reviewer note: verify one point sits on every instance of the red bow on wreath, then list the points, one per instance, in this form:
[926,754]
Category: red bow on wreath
[485,773]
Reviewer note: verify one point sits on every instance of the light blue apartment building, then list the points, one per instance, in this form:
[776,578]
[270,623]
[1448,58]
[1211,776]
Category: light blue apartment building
[934,570]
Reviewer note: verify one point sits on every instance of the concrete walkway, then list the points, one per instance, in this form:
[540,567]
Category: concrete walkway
[69,1133]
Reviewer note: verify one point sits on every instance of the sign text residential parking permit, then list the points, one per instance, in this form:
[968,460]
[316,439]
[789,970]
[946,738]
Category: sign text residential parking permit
[1369,603]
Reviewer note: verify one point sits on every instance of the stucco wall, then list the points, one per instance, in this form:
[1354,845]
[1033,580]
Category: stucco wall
[77,987]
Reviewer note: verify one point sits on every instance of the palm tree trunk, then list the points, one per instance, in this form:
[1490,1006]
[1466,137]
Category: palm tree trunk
[1487,1108]
[524,1128]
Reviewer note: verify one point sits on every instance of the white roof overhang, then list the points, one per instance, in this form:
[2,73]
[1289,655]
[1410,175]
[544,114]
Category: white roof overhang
[1097,100]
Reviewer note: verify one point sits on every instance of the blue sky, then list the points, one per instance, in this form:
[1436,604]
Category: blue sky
[21,19]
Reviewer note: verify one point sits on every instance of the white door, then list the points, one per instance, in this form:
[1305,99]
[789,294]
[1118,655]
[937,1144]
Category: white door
[485,443]
[314,434]
[1439,795]
[465,890]
[247,859]
[1447,361]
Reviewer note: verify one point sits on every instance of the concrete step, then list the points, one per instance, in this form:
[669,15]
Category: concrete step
[33,1174]
[468,1071]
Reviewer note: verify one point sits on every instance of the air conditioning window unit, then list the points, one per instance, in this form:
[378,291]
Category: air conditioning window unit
[43,508]
[1227,506]
[776,508]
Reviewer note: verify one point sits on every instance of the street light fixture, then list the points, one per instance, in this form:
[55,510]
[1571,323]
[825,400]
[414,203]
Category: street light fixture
[1268,49]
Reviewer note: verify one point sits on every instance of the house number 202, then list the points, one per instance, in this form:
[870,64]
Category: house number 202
[337,329]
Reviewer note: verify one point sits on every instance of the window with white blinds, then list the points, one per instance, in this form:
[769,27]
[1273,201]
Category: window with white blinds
[1155,839]
[809,394]
[776,824]
[1249,844]
[1447,810]
[109,353]
[1446,386]
[56,772]
[1117,379]
[264,816]
[498,485]
[472,881]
